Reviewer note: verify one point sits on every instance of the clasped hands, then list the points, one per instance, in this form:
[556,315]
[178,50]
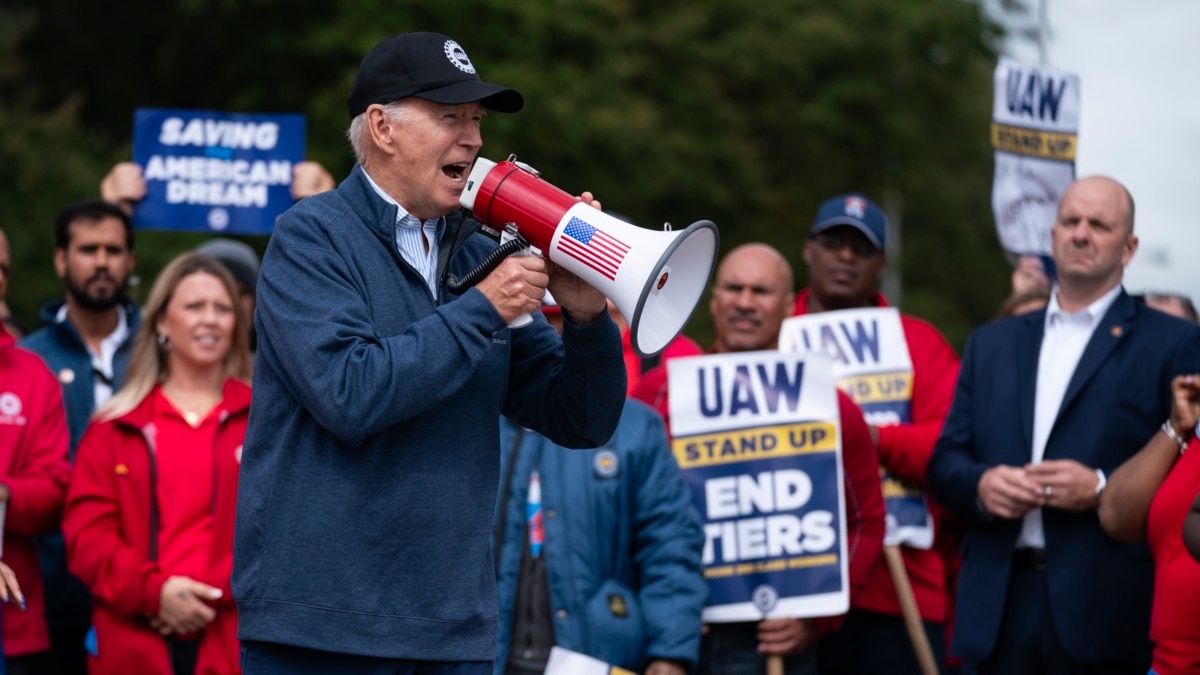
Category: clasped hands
[1012,491]
[184,606]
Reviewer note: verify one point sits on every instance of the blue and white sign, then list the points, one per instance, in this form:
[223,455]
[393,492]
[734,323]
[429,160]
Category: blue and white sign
[757,435]
[1035,128]
[215,172]
[872,365]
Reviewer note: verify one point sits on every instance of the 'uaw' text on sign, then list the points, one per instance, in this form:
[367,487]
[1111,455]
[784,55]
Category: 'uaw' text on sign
[872,364]
[215,172]
[757,437]
[1035,123]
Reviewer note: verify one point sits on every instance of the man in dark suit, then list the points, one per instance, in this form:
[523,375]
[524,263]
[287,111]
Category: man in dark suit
[1047,404]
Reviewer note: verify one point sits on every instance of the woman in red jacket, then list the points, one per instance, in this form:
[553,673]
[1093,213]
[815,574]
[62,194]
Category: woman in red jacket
[150,508]
[1147,499]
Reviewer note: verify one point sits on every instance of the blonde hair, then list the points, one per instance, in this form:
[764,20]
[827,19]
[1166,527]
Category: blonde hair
[149,365]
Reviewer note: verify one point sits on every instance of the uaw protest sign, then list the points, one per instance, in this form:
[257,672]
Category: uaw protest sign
[1035,127]
[215,172]
[872,365]
[757,437]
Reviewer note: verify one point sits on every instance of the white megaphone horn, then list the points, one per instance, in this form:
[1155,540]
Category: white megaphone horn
[655,278]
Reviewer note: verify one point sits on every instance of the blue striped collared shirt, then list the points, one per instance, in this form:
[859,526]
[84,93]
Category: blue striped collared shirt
[413,236]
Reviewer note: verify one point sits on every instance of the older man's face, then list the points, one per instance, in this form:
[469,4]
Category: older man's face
[433,146]
[750,299]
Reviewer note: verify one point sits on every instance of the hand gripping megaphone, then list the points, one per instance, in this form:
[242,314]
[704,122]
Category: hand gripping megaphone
[655,278]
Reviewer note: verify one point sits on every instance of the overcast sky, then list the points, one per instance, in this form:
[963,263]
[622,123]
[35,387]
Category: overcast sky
[1139,70]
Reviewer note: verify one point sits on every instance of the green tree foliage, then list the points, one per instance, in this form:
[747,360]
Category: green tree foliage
[747,114]
[48,159]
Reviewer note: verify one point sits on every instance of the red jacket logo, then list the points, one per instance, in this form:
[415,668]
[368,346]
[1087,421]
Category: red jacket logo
[10,409]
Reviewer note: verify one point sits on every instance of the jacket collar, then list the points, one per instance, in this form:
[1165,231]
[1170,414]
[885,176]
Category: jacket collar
[877,300]
[380,216]
[49,317]
[235,399]
[6,338]
[1112,329]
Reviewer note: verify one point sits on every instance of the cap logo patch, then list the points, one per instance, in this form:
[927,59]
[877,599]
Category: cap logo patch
[458,57]
[856,207]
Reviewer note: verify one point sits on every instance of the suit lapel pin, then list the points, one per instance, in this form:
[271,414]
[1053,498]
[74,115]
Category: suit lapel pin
[1116,331]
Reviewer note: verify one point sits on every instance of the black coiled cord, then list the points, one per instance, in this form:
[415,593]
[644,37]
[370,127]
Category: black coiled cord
[492,261]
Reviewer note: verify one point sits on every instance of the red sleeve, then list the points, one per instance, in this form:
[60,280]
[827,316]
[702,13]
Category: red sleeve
[221,576]
[97,552]
[864,504]
[681,346]
[652,390]
[905,449]
[37,480]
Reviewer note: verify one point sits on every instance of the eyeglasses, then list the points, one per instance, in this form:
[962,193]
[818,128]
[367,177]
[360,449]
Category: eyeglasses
[839,237]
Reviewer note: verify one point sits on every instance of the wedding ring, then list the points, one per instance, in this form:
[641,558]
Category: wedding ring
[1049,489]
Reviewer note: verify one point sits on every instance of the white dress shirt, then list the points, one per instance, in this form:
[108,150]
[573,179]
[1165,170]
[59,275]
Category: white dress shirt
[1063,342]
[102,362]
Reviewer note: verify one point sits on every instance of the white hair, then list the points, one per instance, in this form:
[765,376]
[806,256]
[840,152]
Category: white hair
[360,137]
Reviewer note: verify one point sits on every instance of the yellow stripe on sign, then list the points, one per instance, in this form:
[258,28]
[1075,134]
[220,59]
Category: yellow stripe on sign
[1032,142]
[764,566]
[878,388]
[894,488]
[755,443]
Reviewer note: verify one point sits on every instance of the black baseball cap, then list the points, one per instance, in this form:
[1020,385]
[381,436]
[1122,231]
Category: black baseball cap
[429,66]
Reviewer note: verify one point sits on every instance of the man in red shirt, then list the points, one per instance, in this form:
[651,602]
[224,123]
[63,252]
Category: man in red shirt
[752,296]
[845,258]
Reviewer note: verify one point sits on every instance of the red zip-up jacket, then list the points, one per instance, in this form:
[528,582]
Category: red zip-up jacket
[864,495]
[111,523]
[33,465]
[905,450]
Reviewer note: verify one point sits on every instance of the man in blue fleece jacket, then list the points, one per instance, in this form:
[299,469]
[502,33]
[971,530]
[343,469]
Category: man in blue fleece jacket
[371,462]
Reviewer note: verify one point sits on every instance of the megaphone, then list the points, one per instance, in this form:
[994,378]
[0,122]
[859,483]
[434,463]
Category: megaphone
[655,278]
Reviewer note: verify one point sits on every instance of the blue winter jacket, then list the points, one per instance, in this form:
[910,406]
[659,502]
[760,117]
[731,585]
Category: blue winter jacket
[622,543]
[371,462]
[62,348]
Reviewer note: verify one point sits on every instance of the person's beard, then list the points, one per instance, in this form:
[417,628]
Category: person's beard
[80,294]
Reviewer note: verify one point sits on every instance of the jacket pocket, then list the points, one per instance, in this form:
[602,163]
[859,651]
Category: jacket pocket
[614,626]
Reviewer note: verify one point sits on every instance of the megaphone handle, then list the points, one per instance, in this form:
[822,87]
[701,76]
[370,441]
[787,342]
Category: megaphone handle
[490,262]
[511,243]
[524,319]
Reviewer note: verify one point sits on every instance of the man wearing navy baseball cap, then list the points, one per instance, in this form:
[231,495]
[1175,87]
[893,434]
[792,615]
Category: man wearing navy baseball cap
[845,254]
[370,467]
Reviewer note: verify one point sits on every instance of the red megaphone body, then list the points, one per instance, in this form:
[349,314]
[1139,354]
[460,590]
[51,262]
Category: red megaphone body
[655,277]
